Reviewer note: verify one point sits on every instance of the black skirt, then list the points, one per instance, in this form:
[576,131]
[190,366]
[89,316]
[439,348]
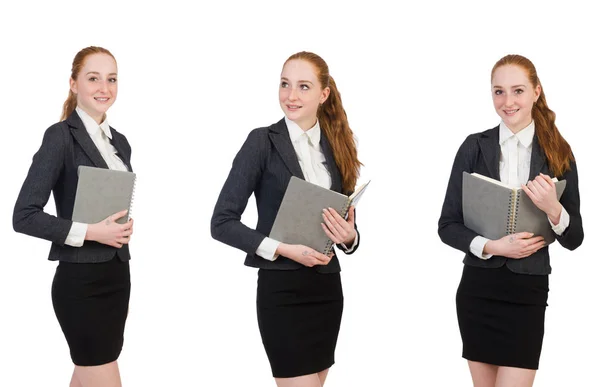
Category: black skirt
[90,301]
[501,316]
[299,315]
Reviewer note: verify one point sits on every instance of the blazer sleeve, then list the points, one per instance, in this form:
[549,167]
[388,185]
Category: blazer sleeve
[451,228]
[29,216]
[572,237]
[244,176]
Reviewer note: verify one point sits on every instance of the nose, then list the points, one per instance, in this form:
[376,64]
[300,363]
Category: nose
[510,99]
[293,94]
[103,86]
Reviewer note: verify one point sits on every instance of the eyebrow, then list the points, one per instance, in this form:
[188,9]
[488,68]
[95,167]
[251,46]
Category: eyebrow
[300,81]
[512,87]
[95,72]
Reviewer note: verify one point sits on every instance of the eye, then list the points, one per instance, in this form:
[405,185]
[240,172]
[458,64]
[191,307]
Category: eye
[92,79]
[498,92]
[304,87]
[284,84]
[112,80]
[519,91]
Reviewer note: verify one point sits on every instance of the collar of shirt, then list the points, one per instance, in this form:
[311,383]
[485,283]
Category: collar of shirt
[524,136]
[91,125]
[296,131]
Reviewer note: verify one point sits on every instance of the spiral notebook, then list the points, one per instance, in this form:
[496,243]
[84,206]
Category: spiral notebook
[102,192]
[493,210]
[299,217]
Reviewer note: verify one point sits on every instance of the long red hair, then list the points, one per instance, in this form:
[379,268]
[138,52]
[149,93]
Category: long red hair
[555,147]
[334,123]
[78,62]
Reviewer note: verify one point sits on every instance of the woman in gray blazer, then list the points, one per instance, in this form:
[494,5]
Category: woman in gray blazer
[299,295]
[501,299]
[91,287]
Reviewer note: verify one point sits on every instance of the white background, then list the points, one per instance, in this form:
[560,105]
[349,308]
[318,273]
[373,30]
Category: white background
[194,80]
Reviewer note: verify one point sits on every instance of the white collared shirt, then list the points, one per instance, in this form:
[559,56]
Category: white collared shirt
[101,137]
[515,155]
[515,165]
[307,145]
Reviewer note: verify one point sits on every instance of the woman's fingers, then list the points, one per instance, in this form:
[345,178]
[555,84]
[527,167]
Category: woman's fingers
[541,183]
[321,257]
[535,187]
[548,179]
[335,239]
[116,216]
[529,193]
[334,221]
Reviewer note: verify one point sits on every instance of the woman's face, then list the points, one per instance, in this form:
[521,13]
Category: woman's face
[96,85]
[514,96]
[301,93]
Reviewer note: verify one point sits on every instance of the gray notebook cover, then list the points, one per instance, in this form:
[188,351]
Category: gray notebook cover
[488,209]
[299,217]
[102,192]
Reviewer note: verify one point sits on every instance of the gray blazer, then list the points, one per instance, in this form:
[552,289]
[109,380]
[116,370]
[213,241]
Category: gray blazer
[480,153]
[264,166]
[66,146]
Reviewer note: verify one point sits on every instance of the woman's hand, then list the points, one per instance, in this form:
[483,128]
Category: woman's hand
[542,193]
[516,246]
[303,255]
[109,232]
[337,228]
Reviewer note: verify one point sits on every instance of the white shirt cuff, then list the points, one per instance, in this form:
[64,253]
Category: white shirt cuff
[477,245]
[267,249]
[76,235]
[351,249]
[563,222]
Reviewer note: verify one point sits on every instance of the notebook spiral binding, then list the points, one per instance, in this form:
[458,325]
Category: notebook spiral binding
[343,214]
[513,202]
[132,198]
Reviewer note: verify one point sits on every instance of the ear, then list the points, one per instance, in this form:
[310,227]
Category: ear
[537,91]
[73,85]
[324,95]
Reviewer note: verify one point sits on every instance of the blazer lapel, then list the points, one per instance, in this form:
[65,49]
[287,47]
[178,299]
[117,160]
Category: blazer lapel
[281,139]
[119,147]
[490,149]
[538,159]
[85,141]
[336,178]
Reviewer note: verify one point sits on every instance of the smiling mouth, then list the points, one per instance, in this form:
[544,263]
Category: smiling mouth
[511,112]
[294,107]
[101,99]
